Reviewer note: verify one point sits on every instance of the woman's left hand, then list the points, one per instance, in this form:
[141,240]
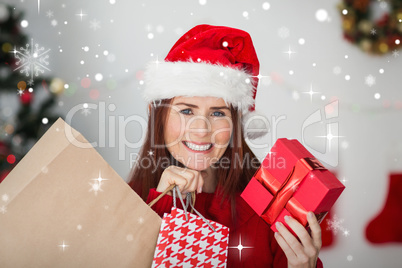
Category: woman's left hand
[302,254]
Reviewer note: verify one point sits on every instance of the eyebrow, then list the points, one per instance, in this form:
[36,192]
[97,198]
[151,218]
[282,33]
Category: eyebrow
[195,106]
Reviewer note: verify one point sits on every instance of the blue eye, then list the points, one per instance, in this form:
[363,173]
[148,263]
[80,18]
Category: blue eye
[185,111]
[217,113]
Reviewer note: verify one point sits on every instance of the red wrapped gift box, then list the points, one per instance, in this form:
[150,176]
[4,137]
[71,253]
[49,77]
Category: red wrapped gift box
[292,182]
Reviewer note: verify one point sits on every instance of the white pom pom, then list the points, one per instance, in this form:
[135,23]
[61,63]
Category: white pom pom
[255,125]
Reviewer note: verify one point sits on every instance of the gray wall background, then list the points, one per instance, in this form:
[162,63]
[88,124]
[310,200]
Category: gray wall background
[136,32]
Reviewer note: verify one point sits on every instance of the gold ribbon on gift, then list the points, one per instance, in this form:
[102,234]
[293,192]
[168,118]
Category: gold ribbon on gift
[283,192]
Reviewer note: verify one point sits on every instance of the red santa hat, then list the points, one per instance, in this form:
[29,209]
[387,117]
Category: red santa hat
[213,61]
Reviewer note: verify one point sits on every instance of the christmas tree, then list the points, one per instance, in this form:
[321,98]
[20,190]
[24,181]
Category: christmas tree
[22,64]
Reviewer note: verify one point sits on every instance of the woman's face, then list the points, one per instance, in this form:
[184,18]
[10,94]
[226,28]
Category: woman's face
[198,130]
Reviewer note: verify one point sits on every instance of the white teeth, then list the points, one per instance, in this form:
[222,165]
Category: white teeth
[198,147]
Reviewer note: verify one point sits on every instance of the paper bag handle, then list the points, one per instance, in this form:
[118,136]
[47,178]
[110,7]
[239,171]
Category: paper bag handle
[161,195]
[170,188]
[188,201]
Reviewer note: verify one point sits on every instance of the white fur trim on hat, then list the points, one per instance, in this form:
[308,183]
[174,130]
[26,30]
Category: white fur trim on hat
[165,80]
[255,125]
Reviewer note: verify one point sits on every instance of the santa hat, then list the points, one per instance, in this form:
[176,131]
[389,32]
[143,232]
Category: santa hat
[212,61]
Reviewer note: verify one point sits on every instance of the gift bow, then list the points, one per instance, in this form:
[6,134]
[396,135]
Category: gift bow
[283,192]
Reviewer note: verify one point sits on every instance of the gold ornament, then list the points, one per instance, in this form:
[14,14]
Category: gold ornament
[22,85]
[382,47]
[366,45]
[56,86]
[399,27]
[6,47]
[365,26]
[399,15]
[347,24]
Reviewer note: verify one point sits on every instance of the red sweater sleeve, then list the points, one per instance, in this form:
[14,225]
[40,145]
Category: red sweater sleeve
[164,205]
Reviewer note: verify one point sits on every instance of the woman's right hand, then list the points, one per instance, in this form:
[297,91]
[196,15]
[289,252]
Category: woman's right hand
[186,179]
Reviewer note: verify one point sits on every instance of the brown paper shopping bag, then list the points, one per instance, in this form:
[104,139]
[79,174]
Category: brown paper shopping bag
[64,206]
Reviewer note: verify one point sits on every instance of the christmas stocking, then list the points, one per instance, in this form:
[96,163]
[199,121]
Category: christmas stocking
[386,227]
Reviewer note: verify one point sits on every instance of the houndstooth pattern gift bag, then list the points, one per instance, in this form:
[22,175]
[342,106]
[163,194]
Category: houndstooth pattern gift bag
[190,240]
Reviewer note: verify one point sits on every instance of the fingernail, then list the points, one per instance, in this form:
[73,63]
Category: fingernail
[276,234]
[278,224]
[199,189]
[287,218]
[310,215]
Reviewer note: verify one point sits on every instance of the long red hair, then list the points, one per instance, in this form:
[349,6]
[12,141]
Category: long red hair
[232,178]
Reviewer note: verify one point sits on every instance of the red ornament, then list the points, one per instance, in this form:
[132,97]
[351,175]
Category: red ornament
[392,40]
[26,97]
[348,37]
[383,21]
[11,159]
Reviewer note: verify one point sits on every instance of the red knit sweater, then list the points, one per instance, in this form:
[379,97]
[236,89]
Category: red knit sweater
[260,248]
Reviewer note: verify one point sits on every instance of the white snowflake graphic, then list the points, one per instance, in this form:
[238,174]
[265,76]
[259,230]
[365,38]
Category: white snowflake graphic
[240,247]
[283,32]
[81,14]
[311,92]
[373,31]
[129,237]
[94,24]
[49,14]
[395,53]
[337,70]
[20,91]
[336,225]
[289,52]
[63,246]
[369,80]
[31,60]
[97,185]
[86,111]
[5,197]
[3,209]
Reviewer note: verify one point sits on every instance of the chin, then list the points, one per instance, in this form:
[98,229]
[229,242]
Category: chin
[194,162]
[196,166]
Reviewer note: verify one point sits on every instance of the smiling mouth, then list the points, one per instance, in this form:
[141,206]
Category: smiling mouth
[198,148]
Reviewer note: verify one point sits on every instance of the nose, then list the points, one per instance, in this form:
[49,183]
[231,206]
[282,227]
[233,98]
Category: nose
[199,126]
